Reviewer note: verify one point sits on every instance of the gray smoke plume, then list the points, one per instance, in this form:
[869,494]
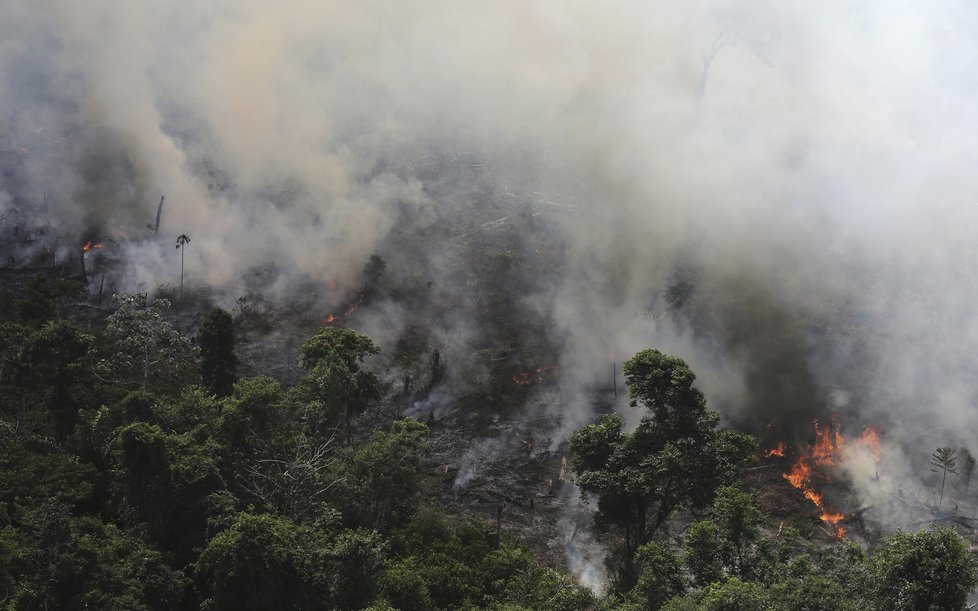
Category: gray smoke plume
[782,194]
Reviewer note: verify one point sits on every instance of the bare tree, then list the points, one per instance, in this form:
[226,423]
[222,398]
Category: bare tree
[945,461]
[292,480]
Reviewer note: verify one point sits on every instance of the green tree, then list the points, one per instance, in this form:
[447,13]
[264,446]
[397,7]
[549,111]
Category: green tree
[385,479]
[738,516]
[660,578]
[261,562]
[52,360]
[944,461]
[335,356]
[218,363]
[142,343]
[703,552]
[58,562]
[930,569]
[677,456]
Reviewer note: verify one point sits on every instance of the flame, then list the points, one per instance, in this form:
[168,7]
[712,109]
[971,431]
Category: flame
[870,439]
[776,451]
[815,461]
[91,246]
[331,318]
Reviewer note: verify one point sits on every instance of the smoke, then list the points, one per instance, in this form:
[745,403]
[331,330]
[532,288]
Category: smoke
[779,193]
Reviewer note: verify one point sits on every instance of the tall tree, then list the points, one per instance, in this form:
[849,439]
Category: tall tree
[218,363]
[142,342]
[335,356]
[182,241]
[678,456]
[944,461]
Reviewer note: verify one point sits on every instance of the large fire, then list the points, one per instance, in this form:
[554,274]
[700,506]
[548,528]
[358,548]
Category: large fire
[815,462]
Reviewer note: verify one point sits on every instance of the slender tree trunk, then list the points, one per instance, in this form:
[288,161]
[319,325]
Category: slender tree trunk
[944,479]
[181,274]
[145,365]
[349,433]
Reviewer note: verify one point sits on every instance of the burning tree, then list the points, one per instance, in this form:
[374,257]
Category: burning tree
[944,460]
[678,456]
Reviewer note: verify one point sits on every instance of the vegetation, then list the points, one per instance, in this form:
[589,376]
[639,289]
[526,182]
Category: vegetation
[944,461]
[136,473]
[677,457]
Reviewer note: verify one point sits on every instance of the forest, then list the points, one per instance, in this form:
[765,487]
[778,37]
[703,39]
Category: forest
[141,469]
[524,304]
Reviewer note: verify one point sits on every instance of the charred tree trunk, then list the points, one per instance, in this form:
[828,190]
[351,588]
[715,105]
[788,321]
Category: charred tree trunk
[159,213]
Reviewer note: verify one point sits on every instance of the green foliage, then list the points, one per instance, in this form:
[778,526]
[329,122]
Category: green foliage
[678,456]
[734,595]
[143,345]
[930,569]
[53,362]
[944,461]
[336,384]
[703,552]
[350,346]
[34,472]
[41,298]
[381,489]
[58,562]
[448,567]
[660,578]
[218,363]
[261,562]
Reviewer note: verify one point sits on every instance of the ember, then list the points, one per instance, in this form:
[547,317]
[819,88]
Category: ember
[91,246]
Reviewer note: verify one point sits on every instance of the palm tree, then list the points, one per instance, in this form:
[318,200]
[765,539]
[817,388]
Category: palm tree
[944,459]
[182,240]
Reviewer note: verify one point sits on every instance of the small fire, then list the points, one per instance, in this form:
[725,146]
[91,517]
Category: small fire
[529,377]
[776,451]
[331,318]
[534,376]
[91,246]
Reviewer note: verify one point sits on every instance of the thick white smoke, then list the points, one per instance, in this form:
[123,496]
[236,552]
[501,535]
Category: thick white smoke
[780,192]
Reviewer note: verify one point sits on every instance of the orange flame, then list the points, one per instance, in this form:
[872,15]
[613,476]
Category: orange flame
[870,439]
[825,454]
[331,319]
[776,451]
[91,246]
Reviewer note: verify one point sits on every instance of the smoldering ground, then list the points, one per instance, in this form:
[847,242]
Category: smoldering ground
[779,193]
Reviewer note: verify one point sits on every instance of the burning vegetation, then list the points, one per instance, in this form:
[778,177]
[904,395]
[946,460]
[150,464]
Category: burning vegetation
[813,466]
